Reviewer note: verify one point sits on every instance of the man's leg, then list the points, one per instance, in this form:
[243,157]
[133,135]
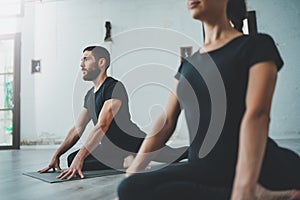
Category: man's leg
[171,155]
[165,155]
[90,163]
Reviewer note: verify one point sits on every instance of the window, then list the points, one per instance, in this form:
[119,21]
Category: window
[11,8]
[9,91]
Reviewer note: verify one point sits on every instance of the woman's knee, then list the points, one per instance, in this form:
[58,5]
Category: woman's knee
[135,187]
[126,188]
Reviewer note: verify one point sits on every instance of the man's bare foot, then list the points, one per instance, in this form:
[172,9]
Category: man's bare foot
[264,194]
[128,161]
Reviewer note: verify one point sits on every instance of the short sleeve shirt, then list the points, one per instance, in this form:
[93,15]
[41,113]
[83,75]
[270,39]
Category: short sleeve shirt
[197,80]
[122,131]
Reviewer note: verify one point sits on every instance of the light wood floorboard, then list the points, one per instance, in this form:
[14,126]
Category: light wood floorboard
[15,186]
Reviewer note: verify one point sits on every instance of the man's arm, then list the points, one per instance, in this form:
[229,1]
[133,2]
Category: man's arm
[72,137]
[108,111]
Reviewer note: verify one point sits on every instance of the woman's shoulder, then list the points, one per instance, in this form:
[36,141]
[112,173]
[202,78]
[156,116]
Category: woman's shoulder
[262,47]
[256,42]
[260,37]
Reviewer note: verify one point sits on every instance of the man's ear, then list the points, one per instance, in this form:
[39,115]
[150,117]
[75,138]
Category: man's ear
[102,62]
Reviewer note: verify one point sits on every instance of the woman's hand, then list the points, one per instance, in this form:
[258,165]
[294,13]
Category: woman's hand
[130,168]
[243,193]
[130,171]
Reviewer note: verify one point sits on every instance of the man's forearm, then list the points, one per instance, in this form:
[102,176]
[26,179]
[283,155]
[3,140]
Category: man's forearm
[92,142]
[109,109]
[71,139]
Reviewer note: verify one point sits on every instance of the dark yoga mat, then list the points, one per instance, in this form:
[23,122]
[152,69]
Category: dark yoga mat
[50,177]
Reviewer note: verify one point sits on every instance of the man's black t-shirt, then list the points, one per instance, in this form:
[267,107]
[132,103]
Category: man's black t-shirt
[233,62]
[122,131]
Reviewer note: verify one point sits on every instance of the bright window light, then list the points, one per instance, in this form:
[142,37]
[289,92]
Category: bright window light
[10,8]
[245,27]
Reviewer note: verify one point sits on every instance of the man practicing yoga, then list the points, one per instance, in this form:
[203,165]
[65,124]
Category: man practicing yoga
[106,104]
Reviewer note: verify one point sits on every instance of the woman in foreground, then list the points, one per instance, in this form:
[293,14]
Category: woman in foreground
[244,164]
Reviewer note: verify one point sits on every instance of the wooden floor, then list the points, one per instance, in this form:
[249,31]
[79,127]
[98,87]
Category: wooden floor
[15,186]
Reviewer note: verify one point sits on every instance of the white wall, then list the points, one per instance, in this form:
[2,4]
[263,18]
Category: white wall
[280,19]
[62,29]
[56,33]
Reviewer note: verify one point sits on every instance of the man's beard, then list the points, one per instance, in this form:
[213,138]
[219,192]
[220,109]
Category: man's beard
[91,75]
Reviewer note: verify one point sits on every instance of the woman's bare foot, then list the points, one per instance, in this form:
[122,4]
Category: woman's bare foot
[264,194]
[295,194]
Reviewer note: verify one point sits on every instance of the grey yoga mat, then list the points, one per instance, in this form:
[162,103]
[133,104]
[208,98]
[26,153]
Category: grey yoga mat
[50,177]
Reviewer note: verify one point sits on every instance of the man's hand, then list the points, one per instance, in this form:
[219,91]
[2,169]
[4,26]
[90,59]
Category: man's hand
[75,169]
[54,164]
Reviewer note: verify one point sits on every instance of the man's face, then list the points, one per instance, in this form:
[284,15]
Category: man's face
[89,66]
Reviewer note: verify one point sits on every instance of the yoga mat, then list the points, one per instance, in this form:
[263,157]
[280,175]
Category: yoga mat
[50,177]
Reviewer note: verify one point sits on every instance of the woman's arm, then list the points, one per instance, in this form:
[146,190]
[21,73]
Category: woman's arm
[254,129]
[161,131]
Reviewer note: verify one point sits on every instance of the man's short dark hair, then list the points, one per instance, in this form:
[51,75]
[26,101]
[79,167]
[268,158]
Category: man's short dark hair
[99,52]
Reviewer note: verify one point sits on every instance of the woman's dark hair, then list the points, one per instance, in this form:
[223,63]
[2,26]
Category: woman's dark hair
[236,13]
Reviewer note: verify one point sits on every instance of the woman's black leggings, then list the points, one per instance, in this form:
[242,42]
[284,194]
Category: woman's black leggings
[175,182]
[193,180]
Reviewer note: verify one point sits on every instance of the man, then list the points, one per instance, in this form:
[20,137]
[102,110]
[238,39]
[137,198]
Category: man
[106,104]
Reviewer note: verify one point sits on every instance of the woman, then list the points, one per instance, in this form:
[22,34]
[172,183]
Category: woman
[244,163]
